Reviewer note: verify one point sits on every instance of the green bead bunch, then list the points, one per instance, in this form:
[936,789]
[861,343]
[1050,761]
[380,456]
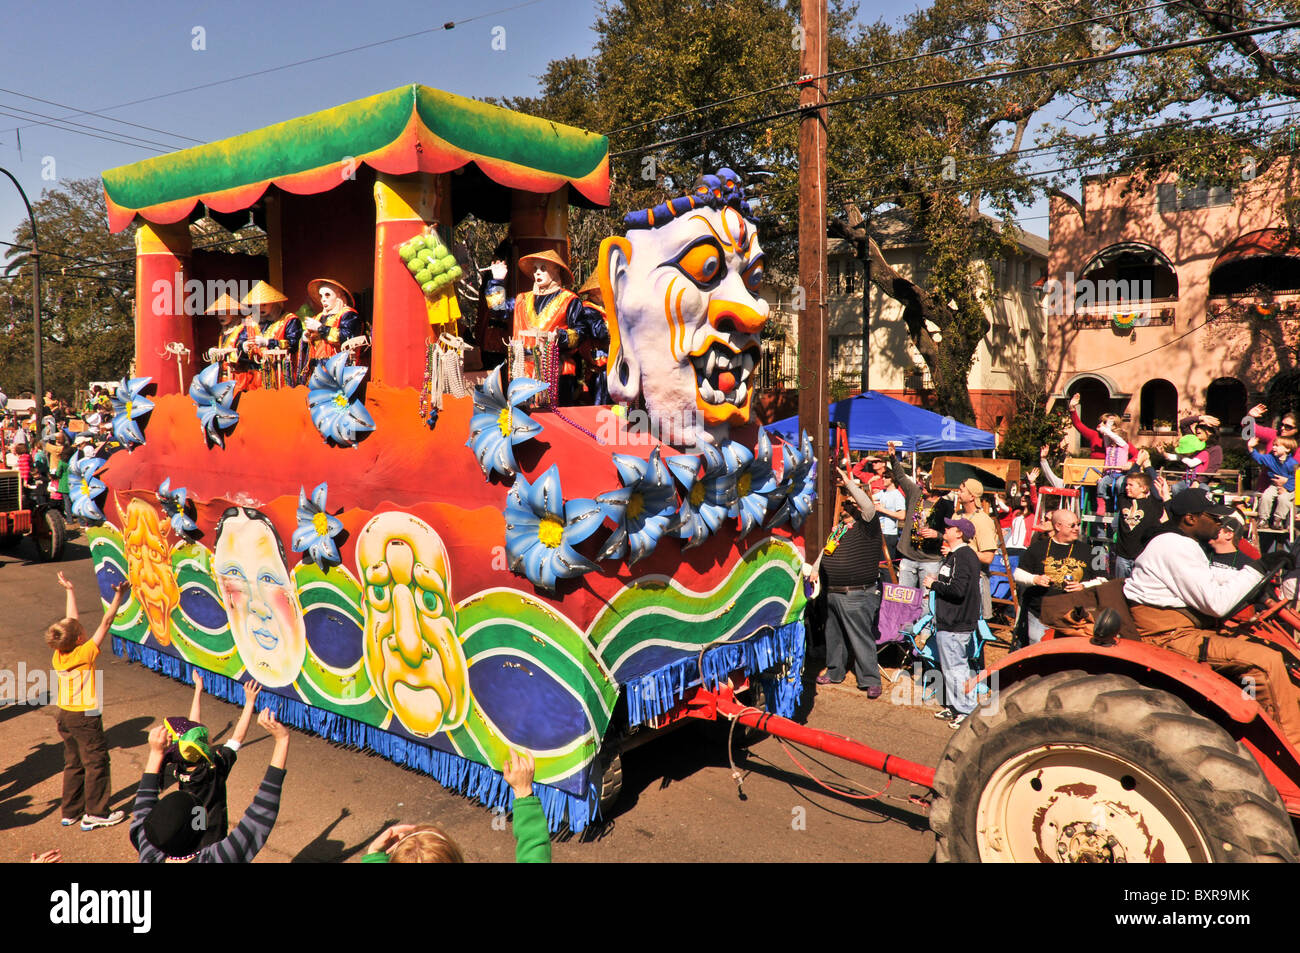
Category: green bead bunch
[431,264]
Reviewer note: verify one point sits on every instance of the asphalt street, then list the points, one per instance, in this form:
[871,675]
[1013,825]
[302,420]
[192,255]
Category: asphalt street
[680,801]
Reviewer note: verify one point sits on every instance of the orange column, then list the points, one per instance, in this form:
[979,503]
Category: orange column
[404,205]
[163,322]
[538,222]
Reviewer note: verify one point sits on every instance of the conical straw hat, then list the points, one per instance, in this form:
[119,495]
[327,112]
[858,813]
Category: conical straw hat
[263,293]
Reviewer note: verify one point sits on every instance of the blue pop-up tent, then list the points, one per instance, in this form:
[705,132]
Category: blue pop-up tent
[872,420]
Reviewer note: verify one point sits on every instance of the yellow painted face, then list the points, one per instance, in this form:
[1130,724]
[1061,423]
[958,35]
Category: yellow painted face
[413,653]
[686,317]
[149,567]
[261,603]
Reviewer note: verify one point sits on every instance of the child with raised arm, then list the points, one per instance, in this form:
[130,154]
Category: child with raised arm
[169,831]
[429,844]
[86,787]
[201,769]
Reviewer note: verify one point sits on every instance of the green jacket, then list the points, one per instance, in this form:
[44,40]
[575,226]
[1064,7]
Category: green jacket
[532,840]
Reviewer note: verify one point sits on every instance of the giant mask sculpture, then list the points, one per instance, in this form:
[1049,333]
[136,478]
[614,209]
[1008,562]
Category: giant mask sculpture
[681,294]
[261,603]
[413,653]
[149,566]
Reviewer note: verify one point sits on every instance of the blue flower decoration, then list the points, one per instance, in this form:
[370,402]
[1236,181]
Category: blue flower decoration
[212,398]
[542,529]
[644,509]
[316,528]
[329,398]
[129,404]
[85,487]
[798,486]
[754,484]
[173,505]
[499,424]
[710,498]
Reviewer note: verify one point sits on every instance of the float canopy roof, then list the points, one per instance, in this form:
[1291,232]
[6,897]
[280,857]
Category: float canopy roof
[409,129]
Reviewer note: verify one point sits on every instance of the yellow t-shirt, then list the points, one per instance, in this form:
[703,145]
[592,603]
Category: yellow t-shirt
[78,690]
[986,531]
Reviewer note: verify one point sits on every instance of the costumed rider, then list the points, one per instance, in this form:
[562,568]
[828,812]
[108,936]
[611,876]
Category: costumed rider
[232,335]
[336,326]
[550,306]
[1177,599]
[276,330]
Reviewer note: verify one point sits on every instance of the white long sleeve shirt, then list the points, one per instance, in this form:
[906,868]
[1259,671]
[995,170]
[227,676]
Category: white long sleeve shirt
[1174,572]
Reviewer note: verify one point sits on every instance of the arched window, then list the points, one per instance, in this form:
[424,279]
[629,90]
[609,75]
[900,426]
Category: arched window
[1159,405]
[1129,272]
[1266,258]
[1094,398]
[1226,398]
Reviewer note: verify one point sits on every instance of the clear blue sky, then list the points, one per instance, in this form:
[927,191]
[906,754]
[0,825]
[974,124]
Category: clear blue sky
[97,56]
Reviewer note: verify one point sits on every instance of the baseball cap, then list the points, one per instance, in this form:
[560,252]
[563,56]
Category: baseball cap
[1196,499]
[966,527]
[973,486]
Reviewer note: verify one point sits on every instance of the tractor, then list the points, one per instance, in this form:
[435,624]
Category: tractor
[21,516]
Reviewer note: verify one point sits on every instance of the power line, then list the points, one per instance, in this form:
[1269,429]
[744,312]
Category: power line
[44,252]
[114,139]
[1031,174]
[283,66]
[892,62]
[88,112]
[1091,139]
[966,81]
[64,123]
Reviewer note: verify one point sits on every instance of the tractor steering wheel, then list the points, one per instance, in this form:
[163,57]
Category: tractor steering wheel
[1256,591]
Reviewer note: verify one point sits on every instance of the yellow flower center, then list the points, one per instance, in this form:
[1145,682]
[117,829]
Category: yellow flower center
[321,524]
[550,532]
[743,484]
[127,410]
[503,422]
[697,494]
[340,399]
[635,506]
[85,488]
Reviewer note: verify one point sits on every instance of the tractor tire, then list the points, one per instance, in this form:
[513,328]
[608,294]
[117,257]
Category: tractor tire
[1080,768]
[49,533]
[611,782]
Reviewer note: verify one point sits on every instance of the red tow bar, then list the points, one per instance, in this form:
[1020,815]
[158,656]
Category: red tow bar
[706,704]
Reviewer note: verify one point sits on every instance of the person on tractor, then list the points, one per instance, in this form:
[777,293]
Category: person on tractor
[1177,599]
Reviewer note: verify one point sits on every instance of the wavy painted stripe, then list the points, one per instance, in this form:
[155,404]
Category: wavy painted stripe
[658,592]
[742,627]
[700,617]
[486,637]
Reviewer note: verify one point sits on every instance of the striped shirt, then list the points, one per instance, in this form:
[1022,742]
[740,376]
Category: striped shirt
[856,560]
[240,847]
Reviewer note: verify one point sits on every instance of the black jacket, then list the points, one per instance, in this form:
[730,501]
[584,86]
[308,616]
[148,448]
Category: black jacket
[957,591]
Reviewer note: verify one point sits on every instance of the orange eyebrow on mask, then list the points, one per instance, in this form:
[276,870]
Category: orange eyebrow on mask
[728,242]
[681,321]
[668,315]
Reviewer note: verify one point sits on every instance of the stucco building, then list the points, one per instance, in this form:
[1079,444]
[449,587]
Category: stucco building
[1165,300]
[1008,359]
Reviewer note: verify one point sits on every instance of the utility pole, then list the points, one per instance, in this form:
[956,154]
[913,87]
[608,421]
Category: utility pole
[860,229]
[813,391]
[38,380]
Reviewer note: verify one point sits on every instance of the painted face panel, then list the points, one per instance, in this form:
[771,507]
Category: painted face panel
[261,604]
[689,318]
[149,567]
[413,654]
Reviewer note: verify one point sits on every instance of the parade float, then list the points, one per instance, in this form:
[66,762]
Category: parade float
[444,573]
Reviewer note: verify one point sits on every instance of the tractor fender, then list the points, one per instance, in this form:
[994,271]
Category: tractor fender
[1196,683]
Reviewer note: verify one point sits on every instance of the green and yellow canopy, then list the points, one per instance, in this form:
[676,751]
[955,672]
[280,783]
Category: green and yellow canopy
[409,129]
